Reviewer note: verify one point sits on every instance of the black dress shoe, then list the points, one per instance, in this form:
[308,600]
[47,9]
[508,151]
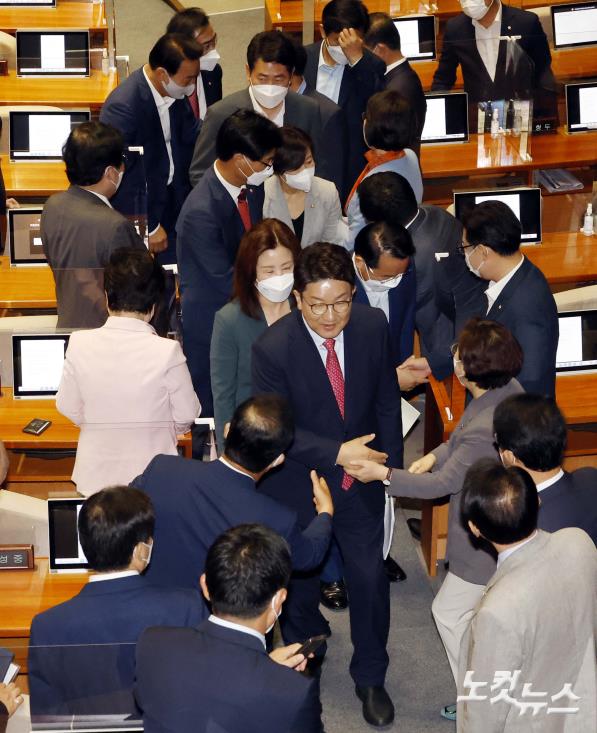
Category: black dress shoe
[378,709]
[394,572]
[414,525]
[333,595]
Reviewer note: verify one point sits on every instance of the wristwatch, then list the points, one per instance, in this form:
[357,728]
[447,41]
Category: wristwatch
[386,481]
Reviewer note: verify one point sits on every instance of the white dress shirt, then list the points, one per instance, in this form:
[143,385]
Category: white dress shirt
[163,105]
[488,42]
[201,100]
[391,67]
[505,554]
[302,87]
[550,481]
[495,288]
[323,352]
[278,120]
[233,190]
[329,78]
[100,196]
[237,627]
[233,468]
[113,576]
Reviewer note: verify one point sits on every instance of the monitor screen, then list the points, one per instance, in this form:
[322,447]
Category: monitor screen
[524,202]
[447,118]
[41,135]
[52,53]
[24,236]
[417,36]
[38,360]
[66,552]
[581,106]
[577,345]
[574,24]
[38,3]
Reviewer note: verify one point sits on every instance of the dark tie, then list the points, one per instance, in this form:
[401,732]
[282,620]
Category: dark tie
[194,102]
[243,209]
[332,367]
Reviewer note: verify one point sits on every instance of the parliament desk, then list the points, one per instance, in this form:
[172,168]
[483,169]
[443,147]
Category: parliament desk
[85,92]
[65,15]
[576,396]
[33,180]
[26,288]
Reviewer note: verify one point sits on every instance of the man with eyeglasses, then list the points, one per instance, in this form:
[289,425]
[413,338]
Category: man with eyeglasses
[195,23]
[225,204]
[331,360]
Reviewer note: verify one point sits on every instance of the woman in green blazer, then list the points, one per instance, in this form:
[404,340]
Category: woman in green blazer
[263,281]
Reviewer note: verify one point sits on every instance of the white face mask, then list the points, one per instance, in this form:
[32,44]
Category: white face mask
[119,181]
[256,178]
[336,53]
[175,91]
[303,180]
[269,628]
[381,286]
[269,95]
[364,135]
[276,288]
[458,371]
[209,60]
[475,9]
[475,270]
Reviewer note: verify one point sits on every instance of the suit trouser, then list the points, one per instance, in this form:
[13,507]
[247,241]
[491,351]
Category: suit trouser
[452,610]
[358,528]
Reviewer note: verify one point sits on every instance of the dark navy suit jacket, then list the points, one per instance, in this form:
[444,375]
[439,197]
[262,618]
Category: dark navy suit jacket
[131,109]
[286,362]
[219,680]
[402,306]
[195,502]
[82,652]
[212,85]
[526,306]
[209,231]
[571,502]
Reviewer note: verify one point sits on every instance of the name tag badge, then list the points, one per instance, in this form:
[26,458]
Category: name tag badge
[440,255]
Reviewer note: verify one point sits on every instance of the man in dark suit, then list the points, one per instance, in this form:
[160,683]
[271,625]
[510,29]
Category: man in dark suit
[332,361]
[194,23]
[530,432]
[218,677]
[383,39]
[79,227]
[331,153]
[82,652]
[151,111]
[494,68]
[348,73]
[211,497]
[518,294]
[227,202]
[270,61]
[447,293]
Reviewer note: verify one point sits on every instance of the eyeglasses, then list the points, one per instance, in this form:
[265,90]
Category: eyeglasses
[462,247]
[453,351]
[209,45]
[340,307]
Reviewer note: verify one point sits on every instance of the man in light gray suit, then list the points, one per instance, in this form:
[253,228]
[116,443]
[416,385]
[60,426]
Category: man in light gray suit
[534,627]
[270,63]
[79,227]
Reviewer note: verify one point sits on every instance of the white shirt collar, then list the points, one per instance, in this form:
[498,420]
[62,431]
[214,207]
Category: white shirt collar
[157,97]
[112,576]
[394,65]
[495,288]
[550,481]
[319,340]
[491,29]
[232,468]
[302,87]
[100,196]
[237,627]
[278,120]
[233,190]
[505,554]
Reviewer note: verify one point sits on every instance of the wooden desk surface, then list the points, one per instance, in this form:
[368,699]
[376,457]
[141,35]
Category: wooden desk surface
[26,287]
[64,15]
[27,180]
[23,594]
[565,257]
[88,92]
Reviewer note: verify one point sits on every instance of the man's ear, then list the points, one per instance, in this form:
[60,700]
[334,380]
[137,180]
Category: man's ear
[281,597]
[203,585]
[248,73]
[474,530]
[297,297]
[226,429]
[509,459]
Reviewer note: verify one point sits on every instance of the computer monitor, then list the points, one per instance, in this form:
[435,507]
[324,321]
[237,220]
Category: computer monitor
[66,552]
[24,236]
[36,3]
[41,135]
[574,24]
[446,120]
[53,53]
[37,360]
[577,345]
[581,106]
[417,36]
[524,202]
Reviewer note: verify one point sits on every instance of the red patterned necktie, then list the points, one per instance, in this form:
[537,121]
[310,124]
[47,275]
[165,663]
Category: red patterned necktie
[194,102]
[243,209]
[332,367]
